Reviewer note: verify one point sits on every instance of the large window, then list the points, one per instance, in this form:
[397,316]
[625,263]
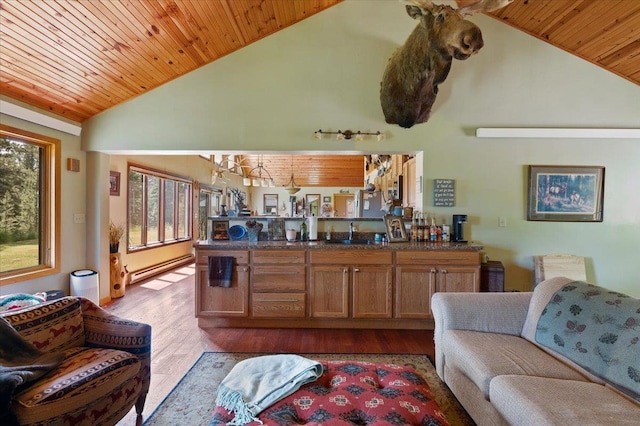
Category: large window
[159,208]
[29,206]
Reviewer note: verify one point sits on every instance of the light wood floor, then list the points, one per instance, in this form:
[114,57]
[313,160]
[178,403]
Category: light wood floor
[167,303]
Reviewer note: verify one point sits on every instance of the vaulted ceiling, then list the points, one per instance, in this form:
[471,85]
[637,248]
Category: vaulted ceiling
[78,58]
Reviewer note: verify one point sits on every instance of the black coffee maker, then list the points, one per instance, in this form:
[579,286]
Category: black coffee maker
[458,228]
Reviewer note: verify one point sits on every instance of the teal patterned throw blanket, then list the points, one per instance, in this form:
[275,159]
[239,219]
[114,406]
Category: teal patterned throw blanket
[597,329]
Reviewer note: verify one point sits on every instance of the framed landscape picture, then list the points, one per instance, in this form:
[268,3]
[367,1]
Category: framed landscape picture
[221,230]
[566,193]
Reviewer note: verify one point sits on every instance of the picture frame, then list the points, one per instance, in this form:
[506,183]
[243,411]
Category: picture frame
[220,230]
[396,232]
[326,199]
[114,183]
[270,203]
[565,193]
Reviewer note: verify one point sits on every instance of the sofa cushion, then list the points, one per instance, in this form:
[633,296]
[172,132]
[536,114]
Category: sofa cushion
[52,326]
[596,328]
[525,400]
[483,356]
[79,382]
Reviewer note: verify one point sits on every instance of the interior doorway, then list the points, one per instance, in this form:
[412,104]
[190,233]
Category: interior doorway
[343,205]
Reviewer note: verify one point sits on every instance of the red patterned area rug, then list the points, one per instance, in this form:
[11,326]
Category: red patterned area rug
[192,401]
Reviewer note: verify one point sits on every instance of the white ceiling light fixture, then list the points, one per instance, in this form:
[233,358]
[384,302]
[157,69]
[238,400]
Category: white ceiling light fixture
[291,187]
[555,132]
[348,134]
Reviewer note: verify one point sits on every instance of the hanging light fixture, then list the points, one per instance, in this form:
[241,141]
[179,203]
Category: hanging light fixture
[291,187]
[252,180]
[220,172]
[348,134]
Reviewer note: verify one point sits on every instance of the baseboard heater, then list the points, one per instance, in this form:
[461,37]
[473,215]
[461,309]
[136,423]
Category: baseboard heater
[159,268]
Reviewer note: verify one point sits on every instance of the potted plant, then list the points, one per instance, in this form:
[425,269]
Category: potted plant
[116,231]
[253,230]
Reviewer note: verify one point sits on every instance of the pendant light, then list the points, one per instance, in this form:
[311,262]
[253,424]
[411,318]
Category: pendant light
[258,181]
[291,186]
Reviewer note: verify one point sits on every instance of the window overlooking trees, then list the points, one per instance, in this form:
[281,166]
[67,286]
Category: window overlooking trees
[159,208]
[29,166]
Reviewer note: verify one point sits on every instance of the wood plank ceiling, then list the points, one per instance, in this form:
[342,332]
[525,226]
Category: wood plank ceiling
[78,58]
[338,171]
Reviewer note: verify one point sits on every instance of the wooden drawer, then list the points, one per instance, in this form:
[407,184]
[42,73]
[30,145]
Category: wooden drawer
[279,278]
[440,257]
[242,257]
[278,305]
[278,256]
[351,257]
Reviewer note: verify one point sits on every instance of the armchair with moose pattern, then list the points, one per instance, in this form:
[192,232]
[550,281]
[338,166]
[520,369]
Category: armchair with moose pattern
[106,366]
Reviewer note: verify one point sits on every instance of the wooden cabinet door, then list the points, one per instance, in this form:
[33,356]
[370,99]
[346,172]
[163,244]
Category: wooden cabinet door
[372,291]
[221,301]
[329,292]
[415,285]
[459,279]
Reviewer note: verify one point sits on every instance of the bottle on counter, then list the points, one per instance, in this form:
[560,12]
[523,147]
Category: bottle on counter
[433,231]
[445,232]
[414,227]
[303,229]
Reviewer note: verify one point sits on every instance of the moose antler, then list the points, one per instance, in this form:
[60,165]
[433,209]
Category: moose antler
[469,7]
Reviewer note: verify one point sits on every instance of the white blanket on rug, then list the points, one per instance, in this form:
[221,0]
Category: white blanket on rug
[256,383]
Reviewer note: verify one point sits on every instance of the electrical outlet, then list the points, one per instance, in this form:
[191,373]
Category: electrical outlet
[502,221]
[78,218]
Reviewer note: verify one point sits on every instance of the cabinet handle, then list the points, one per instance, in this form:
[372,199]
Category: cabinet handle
[433,270]
[356,270]
[345,270]
[444,271]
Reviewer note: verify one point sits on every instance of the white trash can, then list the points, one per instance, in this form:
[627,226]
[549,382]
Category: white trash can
[85,283]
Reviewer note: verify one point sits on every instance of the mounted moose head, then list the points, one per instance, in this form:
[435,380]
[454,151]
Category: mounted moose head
[410,81]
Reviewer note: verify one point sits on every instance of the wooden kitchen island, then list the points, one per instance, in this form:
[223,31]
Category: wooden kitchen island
[324,285]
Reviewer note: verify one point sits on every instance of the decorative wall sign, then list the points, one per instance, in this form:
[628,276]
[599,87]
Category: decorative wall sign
[444,192]
[566,193]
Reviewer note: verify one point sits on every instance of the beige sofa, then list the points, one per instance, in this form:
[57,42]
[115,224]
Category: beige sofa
[101,369]
[565,354]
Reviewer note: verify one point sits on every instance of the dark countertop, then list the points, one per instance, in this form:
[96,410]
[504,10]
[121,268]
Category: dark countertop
[246,245]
